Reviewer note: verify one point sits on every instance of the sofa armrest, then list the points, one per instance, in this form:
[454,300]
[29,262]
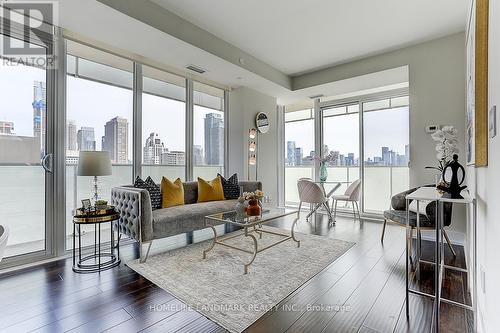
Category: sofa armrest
[136,215]
[250,186]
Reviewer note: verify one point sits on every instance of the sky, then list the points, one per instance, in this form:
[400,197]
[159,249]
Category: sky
[386,128]
[92,104]
[16,96]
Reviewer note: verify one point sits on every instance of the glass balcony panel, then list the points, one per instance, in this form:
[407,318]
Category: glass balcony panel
[79,188]
[22,203]
[292,175]
[156,172]
[207,172]
[377,189]
[400,179]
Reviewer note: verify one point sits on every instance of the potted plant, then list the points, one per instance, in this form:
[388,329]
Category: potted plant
[101,204]
[446,146]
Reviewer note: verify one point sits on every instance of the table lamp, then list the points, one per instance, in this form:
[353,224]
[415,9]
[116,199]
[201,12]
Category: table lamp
[94,163]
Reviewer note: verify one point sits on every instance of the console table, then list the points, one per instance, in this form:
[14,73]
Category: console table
[431,194]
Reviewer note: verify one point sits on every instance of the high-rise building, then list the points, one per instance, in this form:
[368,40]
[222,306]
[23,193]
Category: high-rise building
[336,158]
[7,127]
[350,159]
[298,156]
[290,153]
[393,157]
[214,139]
[386,156]
[115,140]
[173,157]
[153,149]
[39,112]
[197,155]
[86,139]
[71,136]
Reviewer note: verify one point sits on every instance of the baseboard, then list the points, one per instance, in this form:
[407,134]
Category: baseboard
[456,237]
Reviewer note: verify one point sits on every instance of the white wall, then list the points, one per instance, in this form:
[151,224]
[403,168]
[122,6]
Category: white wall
[488,197]
[244,104]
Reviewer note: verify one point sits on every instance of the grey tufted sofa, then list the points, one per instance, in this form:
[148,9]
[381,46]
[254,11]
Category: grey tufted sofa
[138,221]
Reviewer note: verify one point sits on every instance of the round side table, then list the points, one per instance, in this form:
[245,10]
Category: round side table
[98,258]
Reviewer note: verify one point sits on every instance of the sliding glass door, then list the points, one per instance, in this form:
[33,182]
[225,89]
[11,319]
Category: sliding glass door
[386,137]
[368,137]
[341,139]
[25,121]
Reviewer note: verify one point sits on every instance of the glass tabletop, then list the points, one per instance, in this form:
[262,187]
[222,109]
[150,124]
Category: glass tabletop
[268,214]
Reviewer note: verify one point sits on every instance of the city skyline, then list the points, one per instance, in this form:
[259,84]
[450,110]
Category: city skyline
[155,151]
[388,157]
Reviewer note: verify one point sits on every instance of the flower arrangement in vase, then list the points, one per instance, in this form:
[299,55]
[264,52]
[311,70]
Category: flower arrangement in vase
[323,161]
[253,198]
[446,146]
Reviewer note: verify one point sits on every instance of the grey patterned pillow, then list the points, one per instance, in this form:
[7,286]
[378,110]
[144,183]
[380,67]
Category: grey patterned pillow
[153,190]
[230,187]
[154,193]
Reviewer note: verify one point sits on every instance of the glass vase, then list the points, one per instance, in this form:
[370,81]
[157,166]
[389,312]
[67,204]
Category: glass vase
[323,172]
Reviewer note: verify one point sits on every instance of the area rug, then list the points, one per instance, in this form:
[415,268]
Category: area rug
[217,287]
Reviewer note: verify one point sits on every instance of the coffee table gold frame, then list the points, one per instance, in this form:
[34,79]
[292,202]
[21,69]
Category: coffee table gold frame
[253,226]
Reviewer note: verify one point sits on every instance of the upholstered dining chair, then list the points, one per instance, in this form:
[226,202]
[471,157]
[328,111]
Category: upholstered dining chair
[4,235]
[351,194]
[312,193]
[397,214]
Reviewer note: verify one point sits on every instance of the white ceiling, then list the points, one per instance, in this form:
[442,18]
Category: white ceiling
[298,36]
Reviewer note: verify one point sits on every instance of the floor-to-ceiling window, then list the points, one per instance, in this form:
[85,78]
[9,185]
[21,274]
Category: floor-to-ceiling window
[23,126]
[341,138]
[378,155]
[99,117]
[299,151]
[99,114]
[386,151]
[208,131]
[163,125]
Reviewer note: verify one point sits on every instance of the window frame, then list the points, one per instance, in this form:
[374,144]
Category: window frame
[318,109]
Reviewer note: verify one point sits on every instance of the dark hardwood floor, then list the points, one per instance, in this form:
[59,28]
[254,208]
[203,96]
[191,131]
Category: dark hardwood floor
[363,291]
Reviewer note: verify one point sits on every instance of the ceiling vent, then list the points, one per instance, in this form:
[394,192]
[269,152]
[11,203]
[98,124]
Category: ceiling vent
[196,69]
[316,96]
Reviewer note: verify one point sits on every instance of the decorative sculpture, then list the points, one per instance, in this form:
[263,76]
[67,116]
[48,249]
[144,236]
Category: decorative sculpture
[453,187]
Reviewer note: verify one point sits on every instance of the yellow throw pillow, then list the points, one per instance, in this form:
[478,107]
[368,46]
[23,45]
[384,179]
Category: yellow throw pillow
[172,193]
[210,191]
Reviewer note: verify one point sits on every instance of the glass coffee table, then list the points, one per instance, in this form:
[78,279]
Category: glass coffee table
[252,227]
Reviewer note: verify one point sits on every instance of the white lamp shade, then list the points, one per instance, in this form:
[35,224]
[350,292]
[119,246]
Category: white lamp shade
[94,163]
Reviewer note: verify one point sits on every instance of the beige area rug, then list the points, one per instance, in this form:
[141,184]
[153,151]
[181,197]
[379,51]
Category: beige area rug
[217,287]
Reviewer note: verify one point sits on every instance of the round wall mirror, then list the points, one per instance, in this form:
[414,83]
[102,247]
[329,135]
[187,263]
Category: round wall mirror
[262,122]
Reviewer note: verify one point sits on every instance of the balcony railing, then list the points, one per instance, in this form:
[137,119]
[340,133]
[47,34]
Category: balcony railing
[380,183]
[22,199]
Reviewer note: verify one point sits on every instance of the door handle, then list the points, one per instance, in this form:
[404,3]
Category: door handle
[47,163]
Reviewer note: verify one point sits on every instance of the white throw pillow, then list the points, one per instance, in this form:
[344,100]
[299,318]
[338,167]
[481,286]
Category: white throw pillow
[422,206]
